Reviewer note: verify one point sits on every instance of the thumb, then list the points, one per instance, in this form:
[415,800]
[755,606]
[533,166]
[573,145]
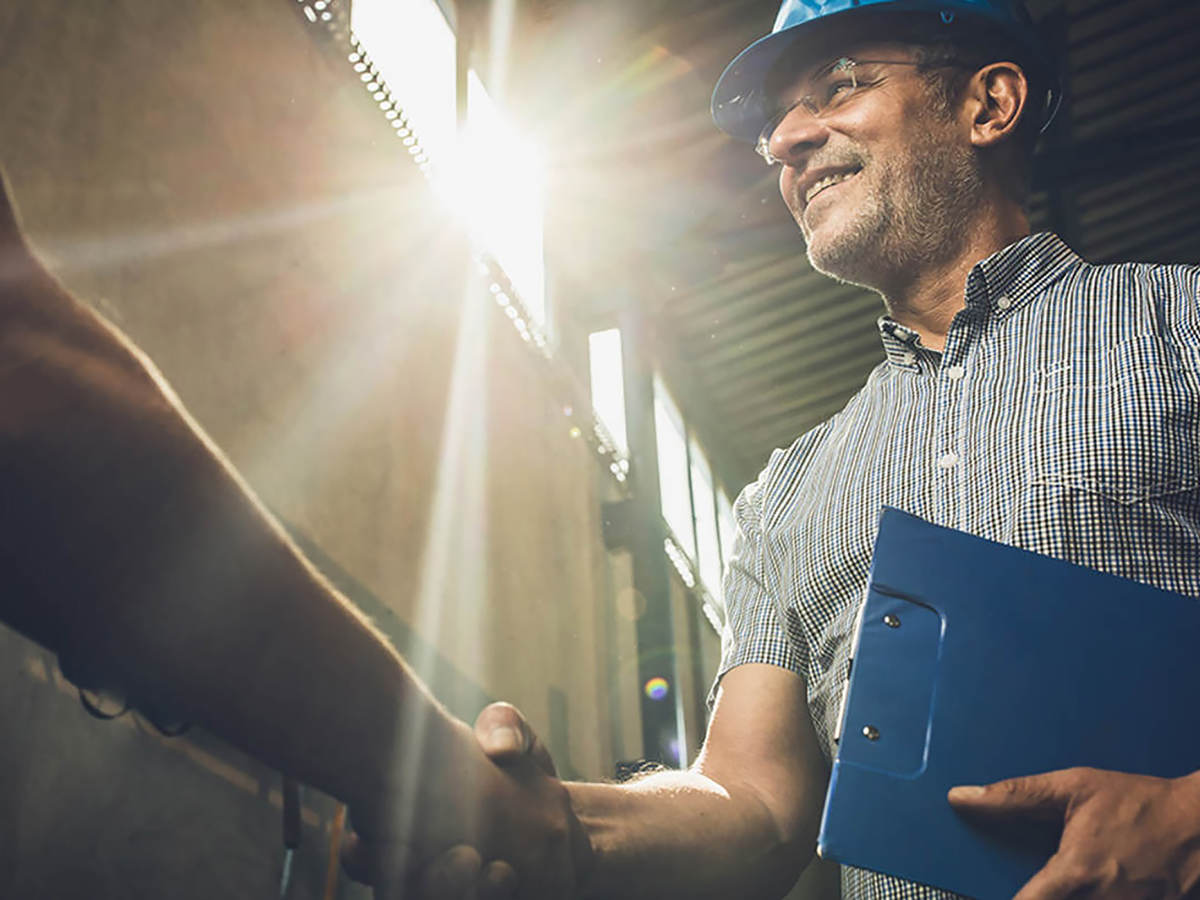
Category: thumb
[1041,797]
[507,738]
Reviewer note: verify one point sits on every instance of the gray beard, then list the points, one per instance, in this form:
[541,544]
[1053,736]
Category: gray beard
[918,222]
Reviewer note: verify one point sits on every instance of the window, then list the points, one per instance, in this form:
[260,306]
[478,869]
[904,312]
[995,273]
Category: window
[673,468]
[704,504]
[490,176]
[608,384]
[695,508]
[413,47]
[726,531]
[499,181]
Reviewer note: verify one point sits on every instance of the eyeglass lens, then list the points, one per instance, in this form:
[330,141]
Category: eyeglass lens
[828,89]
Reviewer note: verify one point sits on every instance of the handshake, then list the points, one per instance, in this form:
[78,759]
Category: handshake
[484,819]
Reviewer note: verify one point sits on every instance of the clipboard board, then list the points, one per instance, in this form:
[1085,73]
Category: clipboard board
[976,661]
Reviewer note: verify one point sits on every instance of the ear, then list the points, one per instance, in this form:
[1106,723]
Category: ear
[996,98]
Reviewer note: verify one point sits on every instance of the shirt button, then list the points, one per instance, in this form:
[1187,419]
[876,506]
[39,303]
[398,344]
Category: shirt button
[1003,301]
[955,373]
[908,358]
[948,460]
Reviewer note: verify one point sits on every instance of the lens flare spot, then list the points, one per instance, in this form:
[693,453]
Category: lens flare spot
[657,688]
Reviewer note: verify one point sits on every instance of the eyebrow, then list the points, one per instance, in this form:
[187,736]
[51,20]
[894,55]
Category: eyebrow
[804,76]
[826,67]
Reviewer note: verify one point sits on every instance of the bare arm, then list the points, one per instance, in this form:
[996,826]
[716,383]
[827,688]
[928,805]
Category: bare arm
[145,561]
[742,822]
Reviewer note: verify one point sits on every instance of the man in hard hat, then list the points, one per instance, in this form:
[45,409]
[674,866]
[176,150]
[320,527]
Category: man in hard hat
[1027,397]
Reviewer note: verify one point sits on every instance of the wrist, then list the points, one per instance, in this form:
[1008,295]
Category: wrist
[601,809]
[585,849]
[390,730]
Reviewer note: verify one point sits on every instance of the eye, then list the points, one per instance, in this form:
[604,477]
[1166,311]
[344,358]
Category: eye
[839,89]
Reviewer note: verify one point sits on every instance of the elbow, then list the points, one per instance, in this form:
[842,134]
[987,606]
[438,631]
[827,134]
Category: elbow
[790,821]
[797,833]
[795,836]
[791,812]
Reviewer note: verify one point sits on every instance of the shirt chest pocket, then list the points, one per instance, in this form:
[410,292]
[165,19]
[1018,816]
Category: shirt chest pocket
[1124,424]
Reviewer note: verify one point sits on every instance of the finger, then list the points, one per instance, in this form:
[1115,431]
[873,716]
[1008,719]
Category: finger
[498,881]
[1044,797]
[452,876]
[508,739]
[502,732]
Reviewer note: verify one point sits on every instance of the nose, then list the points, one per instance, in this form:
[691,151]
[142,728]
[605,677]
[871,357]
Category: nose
[796,136]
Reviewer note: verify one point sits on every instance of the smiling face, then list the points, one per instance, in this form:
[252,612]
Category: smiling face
[877,177]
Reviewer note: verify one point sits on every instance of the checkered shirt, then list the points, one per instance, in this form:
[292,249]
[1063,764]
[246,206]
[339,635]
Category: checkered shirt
[1062,417]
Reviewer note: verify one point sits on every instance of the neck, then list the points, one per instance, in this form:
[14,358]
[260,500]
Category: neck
[927,296]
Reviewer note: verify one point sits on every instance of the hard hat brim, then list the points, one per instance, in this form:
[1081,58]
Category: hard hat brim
[740,106]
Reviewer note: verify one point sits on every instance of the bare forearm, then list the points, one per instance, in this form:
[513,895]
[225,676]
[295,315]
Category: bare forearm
[683,835]
[151,566]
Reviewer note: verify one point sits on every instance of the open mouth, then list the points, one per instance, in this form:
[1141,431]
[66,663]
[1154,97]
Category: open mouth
[827,182]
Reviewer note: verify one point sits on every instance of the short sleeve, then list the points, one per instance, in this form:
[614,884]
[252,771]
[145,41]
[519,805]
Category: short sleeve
[754,629]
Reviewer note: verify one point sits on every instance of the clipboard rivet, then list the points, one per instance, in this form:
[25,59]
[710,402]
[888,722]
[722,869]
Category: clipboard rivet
[870,732]
[891,621]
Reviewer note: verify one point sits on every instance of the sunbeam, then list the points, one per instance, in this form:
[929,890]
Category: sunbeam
[452,593]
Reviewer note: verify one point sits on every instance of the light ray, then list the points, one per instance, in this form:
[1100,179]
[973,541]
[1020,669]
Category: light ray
[115,250]
[452,592]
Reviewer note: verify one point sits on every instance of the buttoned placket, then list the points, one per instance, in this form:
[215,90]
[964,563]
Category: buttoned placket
[950,427]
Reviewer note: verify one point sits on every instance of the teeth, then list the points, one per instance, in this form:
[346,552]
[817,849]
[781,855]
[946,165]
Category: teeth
[827,181]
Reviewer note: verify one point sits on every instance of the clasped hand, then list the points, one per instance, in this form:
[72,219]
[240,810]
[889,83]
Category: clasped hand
[502,831]
[1124,837]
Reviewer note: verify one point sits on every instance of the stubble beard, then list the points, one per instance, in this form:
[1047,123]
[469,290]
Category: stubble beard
[913,216]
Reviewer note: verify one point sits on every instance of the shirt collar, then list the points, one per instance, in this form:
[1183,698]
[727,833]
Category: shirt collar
[1001,283]
[899,343]
[1019,273]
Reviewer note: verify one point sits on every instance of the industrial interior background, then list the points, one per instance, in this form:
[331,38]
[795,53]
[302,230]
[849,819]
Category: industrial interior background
[213,177]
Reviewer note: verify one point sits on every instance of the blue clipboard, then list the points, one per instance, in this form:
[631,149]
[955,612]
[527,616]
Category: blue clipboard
[976,661]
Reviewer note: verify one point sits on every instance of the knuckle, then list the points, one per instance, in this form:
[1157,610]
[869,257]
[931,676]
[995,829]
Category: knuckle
[1012,787]
[498,880]
[1079,780]
[461,858]
[1077,874]
[1073,870]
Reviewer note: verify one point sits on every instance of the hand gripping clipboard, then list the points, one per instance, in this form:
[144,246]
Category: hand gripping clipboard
[976,661]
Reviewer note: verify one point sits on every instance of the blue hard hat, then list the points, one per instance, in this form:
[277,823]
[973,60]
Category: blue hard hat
[741,107]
